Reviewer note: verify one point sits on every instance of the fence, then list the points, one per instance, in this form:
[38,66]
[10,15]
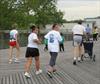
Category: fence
[23,34]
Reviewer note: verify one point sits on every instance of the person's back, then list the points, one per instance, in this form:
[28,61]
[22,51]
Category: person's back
[88,30]
[78,32]
[31,43]
[53,40]
[13,42]
[13,34]
[78,29]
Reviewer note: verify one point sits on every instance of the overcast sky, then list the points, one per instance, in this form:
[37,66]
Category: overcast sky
[79,9]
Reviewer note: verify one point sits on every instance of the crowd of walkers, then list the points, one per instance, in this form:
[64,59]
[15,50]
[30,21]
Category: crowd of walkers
[54,42]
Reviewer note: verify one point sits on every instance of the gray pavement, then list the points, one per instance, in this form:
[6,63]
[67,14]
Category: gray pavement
[87,72]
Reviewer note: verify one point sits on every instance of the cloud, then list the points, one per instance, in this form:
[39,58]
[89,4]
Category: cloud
[75,9]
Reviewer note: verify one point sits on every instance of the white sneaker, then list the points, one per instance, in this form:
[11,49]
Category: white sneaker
[27,75]
[16,61]
[38,72]
[10,61]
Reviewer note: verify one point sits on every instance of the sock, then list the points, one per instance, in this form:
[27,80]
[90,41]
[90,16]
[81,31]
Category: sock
[79,58]
[74,58]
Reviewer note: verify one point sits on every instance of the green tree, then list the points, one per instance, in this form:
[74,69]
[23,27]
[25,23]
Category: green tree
[18,11]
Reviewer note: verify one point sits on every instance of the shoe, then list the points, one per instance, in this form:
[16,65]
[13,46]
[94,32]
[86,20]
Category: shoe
[27,75]
[49,74]
[74,62]
[16,61]
[38,72]
[82,57]
[54,70]
[79,61]
[10,61]
[90,57]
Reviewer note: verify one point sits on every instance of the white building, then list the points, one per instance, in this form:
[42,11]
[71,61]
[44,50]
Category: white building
[95,21]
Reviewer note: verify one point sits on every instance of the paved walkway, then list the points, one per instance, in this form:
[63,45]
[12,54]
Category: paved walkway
[87,72]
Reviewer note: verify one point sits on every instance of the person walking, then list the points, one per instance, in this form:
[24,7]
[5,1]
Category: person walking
[95,33]
[88,32]
[32,51]
[14,43]
[54,38]
[46,44]
[61,44]
[78,31]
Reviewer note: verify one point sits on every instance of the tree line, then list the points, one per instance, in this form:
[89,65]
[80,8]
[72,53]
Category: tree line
[27,12]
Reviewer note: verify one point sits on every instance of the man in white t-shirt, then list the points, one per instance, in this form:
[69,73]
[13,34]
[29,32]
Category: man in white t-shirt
[78,31]
[32,52]
[13,42]
[54,38]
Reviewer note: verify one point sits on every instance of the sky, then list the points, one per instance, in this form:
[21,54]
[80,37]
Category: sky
[79,9]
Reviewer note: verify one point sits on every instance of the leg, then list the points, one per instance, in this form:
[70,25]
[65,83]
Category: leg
[55,57]
[10,54]
[96,37]
[27,67]
[28,64]
[60,46]
[52,60]
[18,51]
[37,63]
[46,47]
[52,63]
[63,47]
[80,53]
[76,52]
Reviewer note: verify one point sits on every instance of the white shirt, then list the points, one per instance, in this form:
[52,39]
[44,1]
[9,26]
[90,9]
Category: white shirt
[53,40]
[13,34]
[31,39]
[78,29]
[96,31]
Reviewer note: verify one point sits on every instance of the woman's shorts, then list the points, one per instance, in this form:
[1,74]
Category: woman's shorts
[32,52]
[77,40]
[12,43]
[95,35]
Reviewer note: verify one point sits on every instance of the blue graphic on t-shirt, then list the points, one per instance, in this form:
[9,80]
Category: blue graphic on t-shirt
[51,38]
[12,35]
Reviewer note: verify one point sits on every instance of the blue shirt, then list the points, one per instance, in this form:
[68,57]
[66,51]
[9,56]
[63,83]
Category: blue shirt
[88,30]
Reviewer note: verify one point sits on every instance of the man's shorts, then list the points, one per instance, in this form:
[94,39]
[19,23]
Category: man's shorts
[32,52]
[77,41]
[12,43]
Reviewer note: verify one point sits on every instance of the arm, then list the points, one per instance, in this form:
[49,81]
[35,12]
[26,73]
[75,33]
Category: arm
[59,37]
[46,36]
[37,41]
[16,37]
[84,30]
